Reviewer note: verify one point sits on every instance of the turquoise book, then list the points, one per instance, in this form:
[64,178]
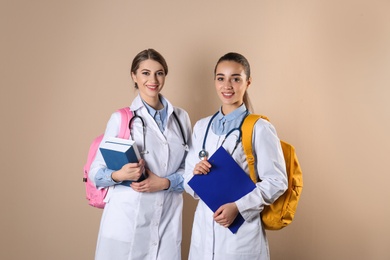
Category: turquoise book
[117,152]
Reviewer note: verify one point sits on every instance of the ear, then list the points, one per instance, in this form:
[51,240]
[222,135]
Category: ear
[248,83]
[133,76]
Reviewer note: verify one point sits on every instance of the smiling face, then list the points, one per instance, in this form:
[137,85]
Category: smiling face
[231,82]
[150,78]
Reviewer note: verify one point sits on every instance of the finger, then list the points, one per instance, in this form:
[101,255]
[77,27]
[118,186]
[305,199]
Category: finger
[217,214]
[201,169]
[136,185]
[206,167]
[205,163]
[131,165]
[198,172]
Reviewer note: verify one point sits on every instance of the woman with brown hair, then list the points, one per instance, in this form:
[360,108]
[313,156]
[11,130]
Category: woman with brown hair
[143,220]
[211,238]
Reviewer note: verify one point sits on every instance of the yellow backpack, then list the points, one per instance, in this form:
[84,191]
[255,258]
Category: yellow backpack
[281,213]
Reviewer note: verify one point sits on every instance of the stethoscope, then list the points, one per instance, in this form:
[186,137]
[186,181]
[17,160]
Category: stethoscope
[204,154]
[144,151]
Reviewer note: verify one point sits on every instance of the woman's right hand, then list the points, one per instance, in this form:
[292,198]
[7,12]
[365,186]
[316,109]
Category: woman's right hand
[129,172]
[202,167]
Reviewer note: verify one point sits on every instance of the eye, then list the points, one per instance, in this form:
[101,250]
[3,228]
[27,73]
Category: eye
[160,73]
[236,79]
[219,79]
[146,73]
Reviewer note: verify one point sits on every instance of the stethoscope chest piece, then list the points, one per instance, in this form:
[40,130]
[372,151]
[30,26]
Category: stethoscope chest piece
[203,154]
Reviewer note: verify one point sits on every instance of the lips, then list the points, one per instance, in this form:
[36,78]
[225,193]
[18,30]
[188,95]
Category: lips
[227,94]
[152,87]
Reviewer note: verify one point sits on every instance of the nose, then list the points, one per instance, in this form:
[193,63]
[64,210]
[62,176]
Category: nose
[154,78]
[227,84]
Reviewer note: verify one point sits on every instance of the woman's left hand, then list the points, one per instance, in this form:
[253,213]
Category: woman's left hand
[152,183]
[226,214]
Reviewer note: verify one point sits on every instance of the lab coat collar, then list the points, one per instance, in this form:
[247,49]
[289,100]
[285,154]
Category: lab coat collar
[231,116]
[162,111]
[138,104]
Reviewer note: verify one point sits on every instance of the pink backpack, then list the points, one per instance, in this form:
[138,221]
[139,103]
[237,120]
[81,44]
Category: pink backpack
[96,196]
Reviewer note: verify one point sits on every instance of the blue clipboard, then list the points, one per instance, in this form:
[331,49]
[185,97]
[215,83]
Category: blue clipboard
[226,182]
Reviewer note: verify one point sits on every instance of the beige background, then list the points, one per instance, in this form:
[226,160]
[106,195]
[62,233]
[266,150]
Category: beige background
[320,72]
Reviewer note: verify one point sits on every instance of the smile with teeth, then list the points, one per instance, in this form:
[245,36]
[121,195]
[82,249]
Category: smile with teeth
[227,94]
[152,87]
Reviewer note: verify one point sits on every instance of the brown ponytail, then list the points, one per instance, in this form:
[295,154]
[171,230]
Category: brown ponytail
[236,57]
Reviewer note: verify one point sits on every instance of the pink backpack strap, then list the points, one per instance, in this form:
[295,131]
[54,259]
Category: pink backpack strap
[126,115]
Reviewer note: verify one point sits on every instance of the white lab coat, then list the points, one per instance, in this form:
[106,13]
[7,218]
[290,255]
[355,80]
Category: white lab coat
[211,241]
[145,225]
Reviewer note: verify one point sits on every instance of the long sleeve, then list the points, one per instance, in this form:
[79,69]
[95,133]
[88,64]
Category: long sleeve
[103,178]
[270,166]
[176,182]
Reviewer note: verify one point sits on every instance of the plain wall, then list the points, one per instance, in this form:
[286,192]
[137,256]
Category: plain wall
[320,72]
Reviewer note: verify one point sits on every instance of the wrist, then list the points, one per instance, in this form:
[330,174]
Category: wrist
[114,177]
[168,184]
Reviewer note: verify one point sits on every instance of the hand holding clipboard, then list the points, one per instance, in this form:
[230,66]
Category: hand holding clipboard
[226,182]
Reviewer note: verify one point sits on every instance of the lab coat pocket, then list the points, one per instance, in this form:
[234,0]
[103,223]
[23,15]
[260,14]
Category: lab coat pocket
[199,225]
[119,217]
[248,239]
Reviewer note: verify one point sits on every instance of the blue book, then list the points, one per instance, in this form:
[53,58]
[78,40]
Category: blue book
[118,152]
[226,182]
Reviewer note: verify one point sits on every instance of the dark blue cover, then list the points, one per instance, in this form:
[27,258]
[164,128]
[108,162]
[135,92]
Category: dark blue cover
[226,182]
[116,159]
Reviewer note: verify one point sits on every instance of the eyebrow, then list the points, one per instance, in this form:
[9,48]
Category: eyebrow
[234,75]
[150,70]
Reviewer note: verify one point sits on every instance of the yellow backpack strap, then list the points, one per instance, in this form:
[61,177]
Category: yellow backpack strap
[247,131]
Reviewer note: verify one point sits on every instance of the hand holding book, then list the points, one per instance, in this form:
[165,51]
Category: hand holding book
[122,156]
[153,183]
[129,172]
